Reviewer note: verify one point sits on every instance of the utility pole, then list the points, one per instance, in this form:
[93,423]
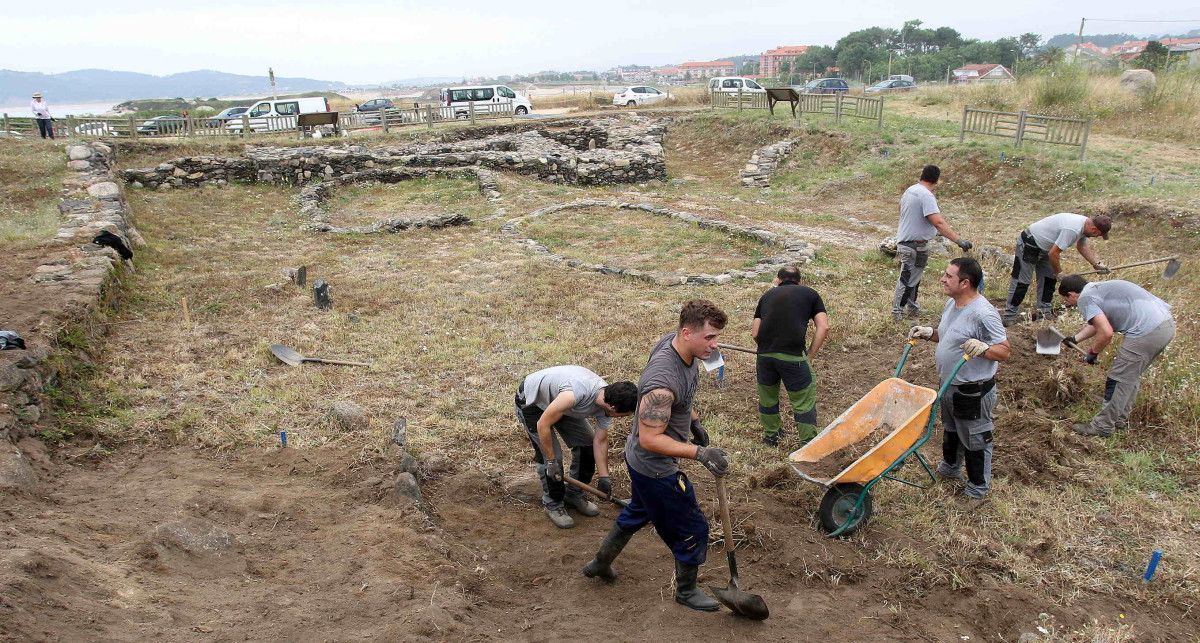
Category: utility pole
[271,73]
[1079,40]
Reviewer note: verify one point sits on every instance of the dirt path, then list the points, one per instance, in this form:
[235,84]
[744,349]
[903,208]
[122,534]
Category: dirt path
[181,543]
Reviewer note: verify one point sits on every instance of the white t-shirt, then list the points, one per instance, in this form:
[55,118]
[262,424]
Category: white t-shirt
[916,204]
[1130,309]
[40,109]
[1063,230]
[542,387]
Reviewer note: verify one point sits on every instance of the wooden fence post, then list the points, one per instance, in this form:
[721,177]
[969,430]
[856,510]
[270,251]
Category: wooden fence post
[383,119]
[70,125]
[837,107]
[1020,129]
[429,116]
[1083,144]
[962,132]
[245,125]
[879,125]
[739,99]
[6,128]
[132,128]
[471,112]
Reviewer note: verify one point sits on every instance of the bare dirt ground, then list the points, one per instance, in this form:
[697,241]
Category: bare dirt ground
[173,514]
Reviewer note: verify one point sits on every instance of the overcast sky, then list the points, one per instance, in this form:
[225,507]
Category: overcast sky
[361,41]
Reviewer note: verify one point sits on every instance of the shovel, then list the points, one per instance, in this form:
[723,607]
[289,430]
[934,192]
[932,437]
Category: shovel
[1173,264]
[1050,341]
[292,358]
[744,604]
[595,492]
[738,349]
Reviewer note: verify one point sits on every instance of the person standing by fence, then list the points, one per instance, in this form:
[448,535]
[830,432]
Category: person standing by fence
[41,113]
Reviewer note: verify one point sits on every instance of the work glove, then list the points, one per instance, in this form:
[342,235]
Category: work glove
[699,435]
[920,332]
[713,459]
[554,470]
[604,486]
[1102,269]
[974,348]
[1090,358]
[964,244]
[1070,341]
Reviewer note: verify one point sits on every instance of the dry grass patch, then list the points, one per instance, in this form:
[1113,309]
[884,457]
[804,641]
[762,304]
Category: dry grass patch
[363,204]
[31,174]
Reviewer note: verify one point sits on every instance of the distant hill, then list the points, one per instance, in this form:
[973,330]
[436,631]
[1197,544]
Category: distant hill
[86,85]
[1064,40]
[423,81]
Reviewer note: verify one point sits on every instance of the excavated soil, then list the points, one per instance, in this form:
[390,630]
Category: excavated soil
[836,462]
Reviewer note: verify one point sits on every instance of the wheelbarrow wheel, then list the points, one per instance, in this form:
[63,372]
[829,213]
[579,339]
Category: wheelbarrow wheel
[838,505]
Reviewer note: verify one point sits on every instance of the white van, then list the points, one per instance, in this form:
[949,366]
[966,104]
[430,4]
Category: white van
[485,98]
[731,84]
[272,114]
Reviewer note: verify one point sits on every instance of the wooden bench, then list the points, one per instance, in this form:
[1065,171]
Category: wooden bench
[306,122]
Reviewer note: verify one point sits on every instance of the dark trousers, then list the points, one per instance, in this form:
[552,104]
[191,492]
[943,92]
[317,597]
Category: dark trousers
[578,437]
[669,503]
[45,127]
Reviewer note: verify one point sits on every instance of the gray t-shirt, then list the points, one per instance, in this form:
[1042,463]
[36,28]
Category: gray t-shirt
[542,387]
[1129,307]
[977,320]
[665,369]
[1063,230]
[916,204]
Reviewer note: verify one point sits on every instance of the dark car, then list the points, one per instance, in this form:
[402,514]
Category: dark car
[897,85]
[826,86]
[161,125]
[227,114]
[376,104]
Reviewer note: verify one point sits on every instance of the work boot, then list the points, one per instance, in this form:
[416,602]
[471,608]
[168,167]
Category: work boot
[610,548]
[581,504]
[560,518]
[686,591]
[972,504]
[771,440]
[1088,429]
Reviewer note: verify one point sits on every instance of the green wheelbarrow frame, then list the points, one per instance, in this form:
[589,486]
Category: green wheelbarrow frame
[859,511]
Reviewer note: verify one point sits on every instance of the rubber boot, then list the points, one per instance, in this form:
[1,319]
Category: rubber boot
[610,548]
[686,591]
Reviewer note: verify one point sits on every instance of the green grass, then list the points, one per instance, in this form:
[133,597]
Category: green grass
[31,175]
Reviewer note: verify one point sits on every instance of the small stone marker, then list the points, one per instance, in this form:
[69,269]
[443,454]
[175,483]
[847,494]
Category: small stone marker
[298,276]
[321,295]
[400,432]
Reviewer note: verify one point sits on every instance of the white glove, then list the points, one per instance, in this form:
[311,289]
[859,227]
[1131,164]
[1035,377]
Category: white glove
[974,348]
[920,332]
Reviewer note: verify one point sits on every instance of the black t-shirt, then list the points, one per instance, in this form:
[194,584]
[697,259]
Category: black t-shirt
[785,311]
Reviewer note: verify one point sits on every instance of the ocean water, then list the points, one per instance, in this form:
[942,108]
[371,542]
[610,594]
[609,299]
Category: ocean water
[59,111]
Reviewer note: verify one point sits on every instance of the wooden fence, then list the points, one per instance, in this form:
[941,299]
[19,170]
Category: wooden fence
[1023,126]
[245,126]
[835,105]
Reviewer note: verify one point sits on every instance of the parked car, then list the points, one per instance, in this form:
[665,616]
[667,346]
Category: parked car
[731,84]
[639,95]
[485,98]
[161,125]
[891,86]
[279,114]
[375,104]
[227,114]
[825,86]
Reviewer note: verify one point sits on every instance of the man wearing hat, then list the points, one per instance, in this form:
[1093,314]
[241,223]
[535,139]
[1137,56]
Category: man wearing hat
[41,113]
[1039,250]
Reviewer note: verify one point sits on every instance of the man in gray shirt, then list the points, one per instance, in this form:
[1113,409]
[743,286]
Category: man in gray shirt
[970,329]
[1039,250]
[564,399]
[1111,307]
[665,430]
[920,221]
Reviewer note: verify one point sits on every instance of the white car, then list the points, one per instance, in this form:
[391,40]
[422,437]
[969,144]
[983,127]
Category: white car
[731,85]
[638,95]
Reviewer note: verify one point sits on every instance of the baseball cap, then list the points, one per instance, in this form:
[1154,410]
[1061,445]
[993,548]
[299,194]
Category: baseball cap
[1104,223]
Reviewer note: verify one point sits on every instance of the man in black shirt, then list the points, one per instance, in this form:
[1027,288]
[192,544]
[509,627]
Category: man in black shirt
[780,326]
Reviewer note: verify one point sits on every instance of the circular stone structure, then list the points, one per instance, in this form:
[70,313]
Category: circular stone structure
[314,196]
[791,251]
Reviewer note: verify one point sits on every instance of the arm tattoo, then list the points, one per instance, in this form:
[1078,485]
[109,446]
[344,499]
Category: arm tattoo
[655,408]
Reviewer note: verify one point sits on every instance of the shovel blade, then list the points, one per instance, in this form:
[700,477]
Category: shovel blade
[286,355]
[1171,269]
[1049,342]
[744,604]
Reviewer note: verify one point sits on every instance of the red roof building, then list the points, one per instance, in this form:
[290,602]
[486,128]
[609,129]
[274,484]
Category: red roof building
[985,73]
[710,68]
[768,61]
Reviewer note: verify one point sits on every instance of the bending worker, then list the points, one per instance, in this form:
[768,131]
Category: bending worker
[563,399]
[666,422]
[971,328]
[920,221]
[1039,250]
[1118,307]
[780,325]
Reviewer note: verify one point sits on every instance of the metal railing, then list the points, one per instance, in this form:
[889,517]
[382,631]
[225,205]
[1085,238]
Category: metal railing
[245,126]
[836,105]
[1023,126]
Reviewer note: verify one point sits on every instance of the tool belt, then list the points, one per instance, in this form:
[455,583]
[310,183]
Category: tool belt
[1032,253]
[967,401]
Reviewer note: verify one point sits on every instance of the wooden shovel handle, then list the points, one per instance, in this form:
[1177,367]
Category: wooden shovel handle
[726,521]
[737,348]
[1131,265]
[595,492]
[335,361]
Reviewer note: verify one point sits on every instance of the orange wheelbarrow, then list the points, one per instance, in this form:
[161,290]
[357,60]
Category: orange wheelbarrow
[910,409]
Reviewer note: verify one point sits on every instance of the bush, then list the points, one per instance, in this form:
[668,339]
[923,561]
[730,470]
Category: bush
[1062,88]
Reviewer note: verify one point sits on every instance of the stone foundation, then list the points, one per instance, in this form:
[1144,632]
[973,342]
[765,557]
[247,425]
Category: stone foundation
[764,162]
